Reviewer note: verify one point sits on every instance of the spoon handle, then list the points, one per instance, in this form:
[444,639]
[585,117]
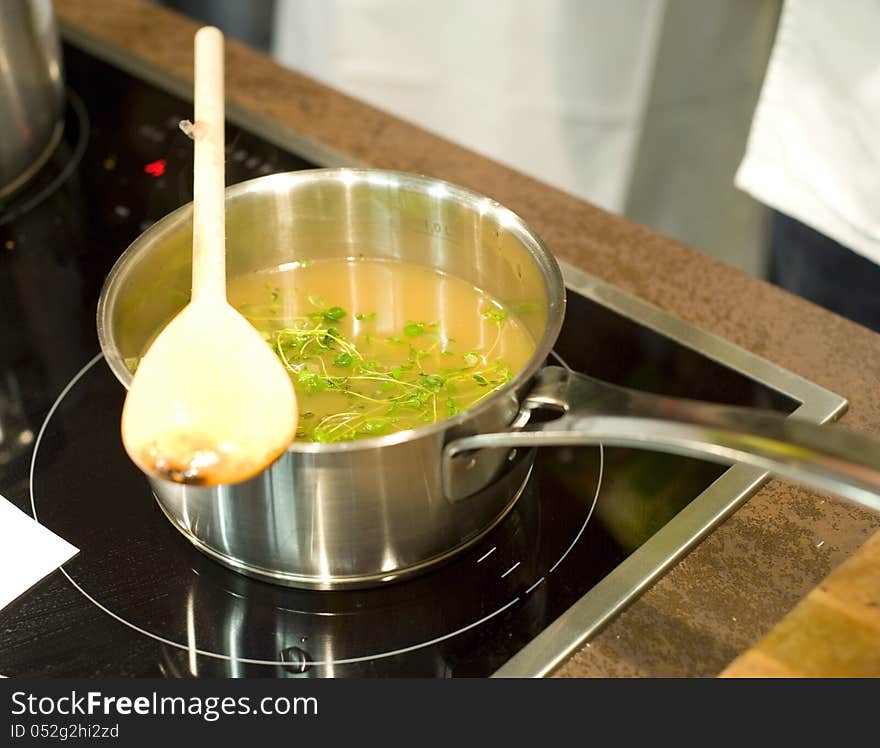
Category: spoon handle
[209,180]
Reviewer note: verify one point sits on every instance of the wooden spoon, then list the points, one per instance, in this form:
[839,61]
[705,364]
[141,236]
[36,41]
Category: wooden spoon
[210,403]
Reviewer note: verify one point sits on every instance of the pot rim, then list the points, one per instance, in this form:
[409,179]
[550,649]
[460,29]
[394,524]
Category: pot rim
[534,245]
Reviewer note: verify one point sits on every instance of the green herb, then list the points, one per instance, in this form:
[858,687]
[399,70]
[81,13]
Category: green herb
[432,382]
[375,426]
[311,381]
[333,314]
[379,397]
[496,314]
[414,329]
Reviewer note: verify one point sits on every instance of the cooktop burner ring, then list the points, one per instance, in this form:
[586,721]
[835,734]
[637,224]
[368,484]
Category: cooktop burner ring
[308,661]
[22,202]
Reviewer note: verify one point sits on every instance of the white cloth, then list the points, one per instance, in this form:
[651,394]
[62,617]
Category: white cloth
[814,147]
[554,88]
[28,552]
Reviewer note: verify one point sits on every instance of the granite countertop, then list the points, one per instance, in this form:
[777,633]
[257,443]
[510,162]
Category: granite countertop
[737,584]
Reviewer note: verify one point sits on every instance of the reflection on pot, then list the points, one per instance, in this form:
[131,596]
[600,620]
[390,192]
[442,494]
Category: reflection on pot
[31,90]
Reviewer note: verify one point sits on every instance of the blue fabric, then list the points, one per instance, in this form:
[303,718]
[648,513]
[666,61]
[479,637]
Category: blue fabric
[817,268]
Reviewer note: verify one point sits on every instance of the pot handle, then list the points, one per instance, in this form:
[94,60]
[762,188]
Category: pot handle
[827,458]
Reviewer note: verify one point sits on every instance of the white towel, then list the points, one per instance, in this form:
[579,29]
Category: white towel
[814,147]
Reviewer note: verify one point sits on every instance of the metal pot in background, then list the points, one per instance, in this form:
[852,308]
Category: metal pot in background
[31,90]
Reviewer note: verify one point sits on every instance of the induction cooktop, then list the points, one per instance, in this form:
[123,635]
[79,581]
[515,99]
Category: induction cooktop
[593,528]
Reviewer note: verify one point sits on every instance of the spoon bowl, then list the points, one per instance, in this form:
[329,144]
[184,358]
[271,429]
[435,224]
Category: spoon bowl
[209,403]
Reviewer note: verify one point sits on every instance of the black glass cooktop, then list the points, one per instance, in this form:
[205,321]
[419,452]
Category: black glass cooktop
[138,599]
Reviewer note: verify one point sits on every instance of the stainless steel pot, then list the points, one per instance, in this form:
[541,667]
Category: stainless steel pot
[377,509]
[345,514]
[31,90]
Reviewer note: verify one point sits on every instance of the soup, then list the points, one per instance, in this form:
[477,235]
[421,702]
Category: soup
[377,346]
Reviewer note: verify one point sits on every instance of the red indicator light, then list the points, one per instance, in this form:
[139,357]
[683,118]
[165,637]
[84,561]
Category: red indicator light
[155,168]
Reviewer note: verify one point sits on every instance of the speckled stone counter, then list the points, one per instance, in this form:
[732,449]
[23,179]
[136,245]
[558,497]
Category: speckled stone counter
[750,572]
